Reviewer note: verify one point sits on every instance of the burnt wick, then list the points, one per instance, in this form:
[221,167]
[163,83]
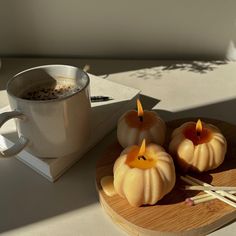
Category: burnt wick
[141,118]
[142,157]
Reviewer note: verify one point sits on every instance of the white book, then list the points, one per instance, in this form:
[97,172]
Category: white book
[104,119]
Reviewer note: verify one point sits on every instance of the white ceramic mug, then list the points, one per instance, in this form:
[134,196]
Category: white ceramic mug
[49,128]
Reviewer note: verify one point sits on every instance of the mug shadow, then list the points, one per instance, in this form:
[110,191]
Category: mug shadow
[73,191]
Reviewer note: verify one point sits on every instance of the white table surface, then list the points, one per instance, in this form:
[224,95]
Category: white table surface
[30,205]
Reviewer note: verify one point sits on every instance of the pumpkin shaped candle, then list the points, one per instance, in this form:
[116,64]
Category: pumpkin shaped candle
[134,126]
[198,146]
[143,175]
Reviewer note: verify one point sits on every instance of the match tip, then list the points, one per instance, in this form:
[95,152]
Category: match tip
[189,202]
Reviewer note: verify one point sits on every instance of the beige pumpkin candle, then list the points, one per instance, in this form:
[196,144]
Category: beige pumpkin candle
[198,146]
[134,126]
[143,175]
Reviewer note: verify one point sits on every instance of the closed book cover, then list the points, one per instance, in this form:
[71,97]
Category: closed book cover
[105,115]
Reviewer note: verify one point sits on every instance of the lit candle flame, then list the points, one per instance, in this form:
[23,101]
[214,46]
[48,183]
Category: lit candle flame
[199,127]
[142,148]
[140,110]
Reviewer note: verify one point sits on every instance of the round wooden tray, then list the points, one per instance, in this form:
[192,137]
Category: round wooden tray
[171,216]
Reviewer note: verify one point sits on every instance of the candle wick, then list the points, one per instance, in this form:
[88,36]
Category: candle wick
[142,157]
[198,134]
[141,118]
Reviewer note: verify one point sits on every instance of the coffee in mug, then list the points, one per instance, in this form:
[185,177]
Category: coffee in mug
[48,91]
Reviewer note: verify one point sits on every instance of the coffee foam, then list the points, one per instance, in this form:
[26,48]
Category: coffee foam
[49,92]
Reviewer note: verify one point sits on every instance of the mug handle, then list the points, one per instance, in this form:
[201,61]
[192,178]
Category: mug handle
[20,143]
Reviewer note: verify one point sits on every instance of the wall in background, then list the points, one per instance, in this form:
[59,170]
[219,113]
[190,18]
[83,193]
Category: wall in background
[184,29]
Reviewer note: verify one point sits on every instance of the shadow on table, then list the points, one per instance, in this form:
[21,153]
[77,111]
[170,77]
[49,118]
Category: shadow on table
[144,69]
[148,102]
[155,70]
[200,67]
[30,198]
[223,110]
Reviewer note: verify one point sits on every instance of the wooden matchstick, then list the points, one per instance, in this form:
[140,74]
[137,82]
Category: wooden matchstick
[213,188]
[217,195]
[205,199]
[199,199]
[221,192]
[207,195]
[202,198]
